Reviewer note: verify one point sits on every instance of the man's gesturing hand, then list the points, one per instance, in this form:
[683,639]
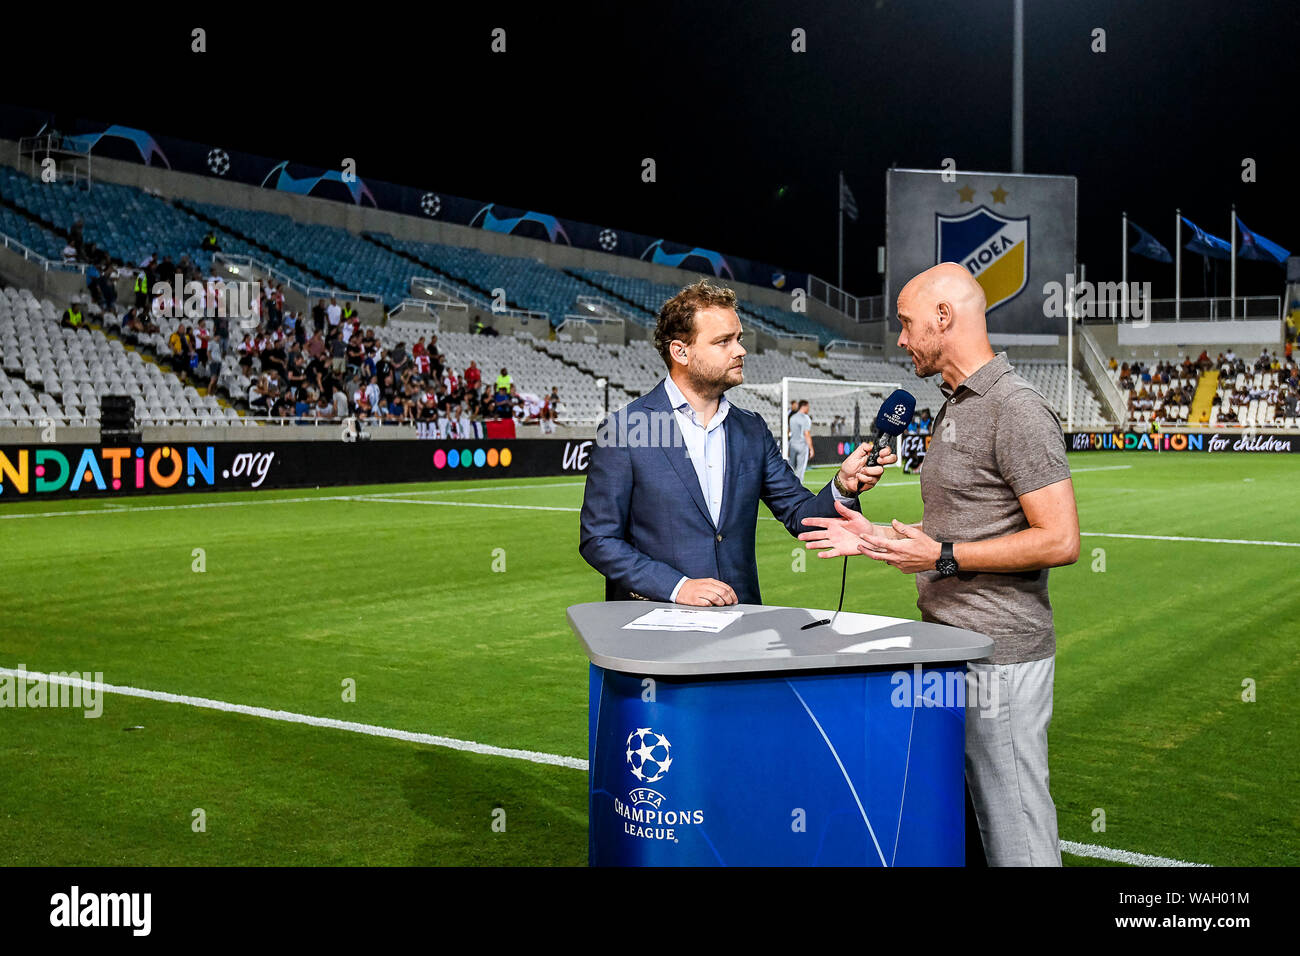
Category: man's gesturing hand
[705,592]
[855,476]
[910,549]
[839,536]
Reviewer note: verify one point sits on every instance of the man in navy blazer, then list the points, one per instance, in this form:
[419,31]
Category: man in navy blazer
[675,477]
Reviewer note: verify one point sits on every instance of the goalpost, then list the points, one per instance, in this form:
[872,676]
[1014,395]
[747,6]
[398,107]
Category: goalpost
[828,399]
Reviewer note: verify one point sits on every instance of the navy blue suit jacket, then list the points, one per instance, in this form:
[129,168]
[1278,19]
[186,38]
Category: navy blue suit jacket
[645,522]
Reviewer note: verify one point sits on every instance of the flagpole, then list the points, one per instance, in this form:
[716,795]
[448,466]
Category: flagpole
[1123,247]
[1069,350]
[839,203]
[1018,87]
[1232,283]
[1178,264]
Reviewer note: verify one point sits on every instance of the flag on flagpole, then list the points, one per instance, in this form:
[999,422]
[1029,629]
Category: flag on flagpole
[848,205]
[1148,245]
[1255,246]
[1205,244]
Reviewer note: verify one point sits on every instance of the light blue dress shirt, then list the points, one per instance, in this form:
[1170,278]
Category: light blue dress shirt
[707,447]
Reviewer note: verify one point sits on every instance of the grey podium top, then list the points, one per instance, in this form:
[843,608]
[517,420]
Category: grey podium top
[765,638]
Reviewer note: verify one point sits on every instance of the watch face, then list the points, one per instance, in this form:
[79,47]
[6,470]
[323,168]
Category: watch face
[946,567]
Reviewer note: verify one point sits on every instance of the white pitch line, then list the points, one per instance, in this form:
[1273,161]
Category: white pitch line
[458,504]
[120,507]
[1121,856]
[289,717]
[494,487]
[387,498]
[206,504]
[469,746]
[1168,537]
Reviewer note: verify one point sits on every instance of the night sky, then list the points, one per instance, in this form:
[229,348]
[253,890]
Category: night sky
[747,135]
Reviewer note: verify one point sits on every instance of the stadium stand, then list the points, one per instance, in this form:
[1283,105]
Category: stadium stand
[59,374]
[179,370]
[1226,390]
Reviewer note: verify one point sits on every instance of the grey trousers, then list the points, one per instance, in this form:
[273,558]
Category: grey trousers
[798,459]
[1008,709]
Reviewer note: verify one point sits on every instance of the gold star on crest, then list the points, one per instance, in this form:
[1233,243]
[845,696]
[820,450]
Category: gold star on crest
[999,195]
[967,193]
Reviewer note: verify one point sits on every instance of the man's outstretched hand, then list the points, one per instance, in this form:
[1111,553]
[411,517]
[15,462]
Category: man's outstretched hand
[840,536]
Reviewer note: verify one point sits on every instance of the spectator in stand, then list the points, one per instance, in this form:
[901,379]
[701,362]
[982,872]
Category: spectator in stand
[334,315]
[504,381]
[176,343]
[340,401]
[259,393]
[303,402]
[373,396]
[296,369]
[273,355]
[338,357]
[69,253]
[315,346]
[214,365]
[400,358]
[383,369]
[473,376]
[202,337]
[356,354]
[318,315]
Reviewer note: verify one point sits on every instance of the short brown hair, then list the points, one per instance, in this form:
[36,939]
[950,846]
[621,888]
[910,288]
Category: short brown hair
[677,316]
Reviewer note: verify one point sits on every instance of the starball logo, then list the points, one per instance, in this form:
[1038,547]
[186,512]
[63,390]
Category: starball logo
[648,757]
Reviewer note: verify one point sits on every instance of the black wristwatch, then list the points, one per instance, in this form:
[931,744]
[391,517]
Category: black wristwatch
[947,564]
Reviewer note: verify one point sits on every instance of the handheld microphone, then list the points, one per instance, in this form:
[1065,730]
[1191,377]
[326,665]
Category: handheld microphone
[892,420]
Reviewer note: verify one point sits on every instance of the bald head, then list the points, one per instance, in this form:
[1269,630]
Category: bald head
[941,312]
[948,283]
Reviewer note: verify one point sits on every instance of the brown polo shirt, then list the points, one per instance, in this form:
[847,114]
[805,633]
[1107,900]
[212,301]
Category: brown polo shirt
[995,438]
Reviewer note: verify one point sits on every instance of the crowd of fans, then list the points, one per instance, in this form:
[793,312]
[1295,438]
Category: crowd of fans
[1164,391]
[327,366]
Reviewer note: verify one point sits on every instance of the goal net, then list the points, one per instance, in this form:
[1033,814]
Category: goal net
[836,406]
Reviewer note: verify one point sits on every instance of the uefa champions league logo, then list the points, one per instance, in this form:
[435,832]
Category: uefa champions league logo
[900,410]
[648,815]
[648,754]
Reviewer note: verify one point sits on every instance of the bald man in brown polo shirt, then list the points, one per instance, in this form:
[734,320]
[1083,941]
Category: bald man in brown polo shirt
[999,511]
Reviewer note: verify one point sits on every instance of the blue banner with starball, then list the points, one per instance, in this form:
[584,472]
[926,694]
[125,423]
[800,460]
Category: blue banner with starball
[813,768]
[217,160]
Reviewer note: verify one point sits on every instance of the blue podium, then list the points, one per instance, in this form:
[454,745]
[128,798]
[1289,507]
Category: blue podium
[768,744]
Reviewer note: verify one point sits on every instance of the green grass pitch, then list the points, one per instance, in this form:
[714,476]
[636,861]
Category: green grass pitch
[394,588]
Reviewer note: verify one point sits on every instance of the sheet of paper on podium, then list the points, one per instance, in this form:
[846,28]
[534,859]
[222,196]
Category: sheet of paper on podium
[683,619]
